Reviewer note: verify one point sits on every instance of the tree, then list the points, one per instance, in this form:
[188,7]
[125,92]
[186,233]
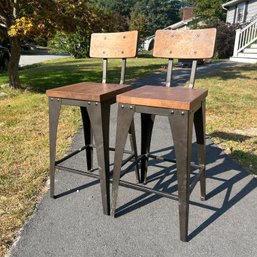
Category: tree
[123,7]
[140,23]
[84,19]
[210,11]
[20,19]
[188,3]
[158,13]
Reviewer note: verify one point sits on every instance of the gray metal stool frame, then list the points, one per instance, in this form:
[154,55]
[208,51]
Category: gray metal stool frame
[182,106]
[94,100]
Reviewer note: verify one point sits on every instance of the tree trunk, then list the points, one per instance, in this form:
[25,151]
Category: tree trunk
[13,69]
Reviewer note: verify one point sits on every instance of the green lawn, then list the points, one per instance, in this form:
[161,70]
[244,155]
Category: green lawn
[231,122]
[232,112]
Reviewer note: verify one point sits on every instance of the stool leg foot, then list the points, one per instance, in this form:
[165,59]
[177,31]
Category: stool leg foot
[199,123]
[99,116]
[54,113]
[133,143]
[88,136]
[124,120]
[181,127]
[147,122]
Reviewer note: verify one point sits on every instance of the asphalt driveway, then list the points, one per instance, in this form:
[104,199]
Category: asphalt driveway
[147,225]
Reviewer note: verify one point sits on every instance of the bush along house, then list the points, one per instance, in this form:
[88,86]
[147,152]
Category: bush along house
[244,13]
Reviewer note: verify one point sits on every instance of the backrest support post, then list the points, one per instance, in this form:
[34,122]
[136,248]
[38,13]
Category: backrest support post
[169,73]
[123,71]
[193,74]
[105,67]
[116,45]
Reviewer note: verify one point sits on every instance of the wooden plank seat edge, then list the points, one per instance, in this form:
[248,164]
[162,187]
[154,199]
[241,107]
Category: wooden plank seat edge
[88,91]
[165,97]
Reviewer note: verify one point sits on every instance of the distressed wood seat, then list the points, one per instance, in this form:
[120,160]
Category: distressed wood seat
[88,91]
[182,106]
[164,97]
[94,100]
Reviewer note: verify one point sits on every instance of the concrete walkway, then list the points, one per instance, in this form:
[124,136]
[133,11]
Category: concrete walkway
[147,225]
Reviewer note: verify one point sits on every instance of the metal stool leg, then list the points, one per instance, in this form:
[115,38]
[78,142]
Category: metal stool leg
[181,126]
[99,115]
[88,136]
[199,123]
[133,143]
[124,120]
[54,113]
[147,121]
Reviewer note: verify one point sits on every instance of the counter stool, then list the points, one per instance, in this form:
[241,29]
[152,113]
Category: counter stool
[182,106]
[94,100]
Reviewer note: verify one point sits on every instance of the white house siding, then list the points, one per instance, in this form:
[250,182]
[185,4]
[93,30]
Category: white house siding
[230,14]
[252,10]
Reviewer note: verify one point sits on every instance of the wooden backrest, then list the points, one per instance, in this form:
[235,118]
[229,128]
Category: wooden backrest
[185,44]
[114,45]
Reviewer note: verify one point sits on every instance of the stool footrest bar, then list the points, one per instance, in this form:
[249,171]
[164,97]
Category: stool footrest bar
[113,149]
[147,190]
[71,154]
[161,158]
[121,182]
[123,172]
[80,172]
[83,148]
[125,151]
[129,158]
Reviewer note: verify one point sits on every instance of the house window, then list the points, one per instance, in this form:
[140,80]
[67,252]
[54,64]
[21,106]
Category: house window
[240,13]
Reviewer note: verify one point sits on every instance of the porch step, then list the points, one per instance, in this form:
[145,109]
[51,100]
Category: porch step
[253,46]
[243,60]
[250,50]
[248,55]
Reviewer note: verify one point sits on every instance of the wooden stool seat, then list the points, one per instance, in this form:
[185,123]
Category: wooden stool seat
[165,97]
[88,91]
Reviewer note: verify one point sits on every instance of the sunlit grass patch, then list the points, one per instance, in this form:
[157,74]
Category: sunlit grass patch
[232,112]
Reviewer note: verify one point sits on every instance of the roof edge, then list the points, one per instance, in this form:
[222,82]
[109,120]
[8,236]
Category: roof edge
[231,3]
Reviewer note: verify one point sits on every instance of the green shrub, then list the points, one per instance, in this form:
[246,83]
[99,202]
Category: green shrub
[73,44]
[225,38]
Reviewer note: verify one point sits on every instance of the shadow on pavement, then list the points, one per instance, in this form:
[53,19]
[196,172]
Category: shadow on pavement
[223,170]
